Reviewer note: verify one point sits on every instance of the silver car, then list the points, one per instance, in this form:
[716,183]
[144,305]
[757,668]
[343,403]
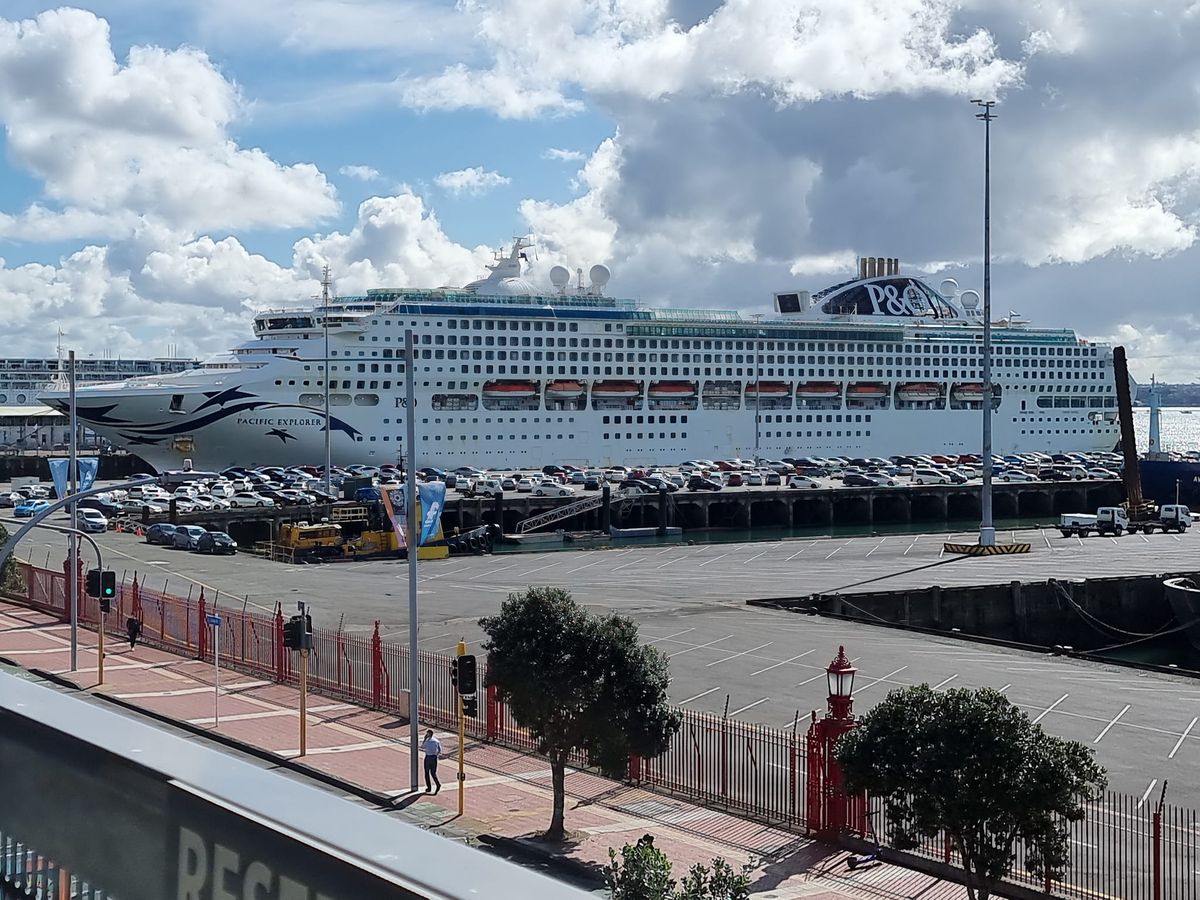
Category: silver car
[187,536]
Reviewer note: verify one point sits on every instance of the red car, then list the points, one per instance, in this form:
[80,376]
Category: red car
[734,480]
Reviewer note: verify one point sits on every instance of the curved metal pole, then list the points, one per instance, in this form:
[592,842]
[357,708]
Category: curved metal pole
[37,520]
[78,532]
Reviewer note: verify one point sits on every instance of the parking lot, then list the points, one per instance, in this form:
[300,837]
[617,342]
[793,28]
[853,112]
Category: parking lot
[759,665]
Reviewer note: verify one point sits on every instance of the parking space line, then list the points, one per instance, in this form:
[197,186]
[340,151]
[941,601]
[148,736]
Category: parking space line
[753,558]
[581,568]
[1182,738]
[836,549]
[1006,687]
[669,636]
[1050,708]
[736,655]
[821,674]
[627,565]
[698,647]
[944,682]
[913,544]
[783,663]
[1115,720]
[1153,782]
[749,706]
[487,572]
[539,568]
[698,696]
[807,544]
[714,559]
[1047,540]
[876,547]
[876,681]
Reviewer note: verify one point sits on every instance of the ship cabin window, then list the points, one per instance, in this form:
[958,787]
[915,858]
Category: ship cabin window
[366,399]
[176,403]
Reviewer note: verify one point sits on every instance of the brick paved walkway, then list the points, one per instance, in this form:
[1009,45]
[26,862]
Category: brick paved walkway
[507,793]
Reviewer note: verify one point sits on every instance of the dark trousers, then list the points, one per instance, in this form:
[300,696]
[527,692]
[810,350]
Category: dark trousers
[431,772]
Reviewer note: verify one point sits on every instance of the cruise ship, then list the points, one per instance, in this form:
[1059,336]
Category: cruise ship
[509,374]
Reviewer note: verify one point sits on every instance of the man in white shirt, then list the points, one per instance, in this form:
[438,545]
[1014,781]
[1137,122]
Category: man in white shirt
[432,748]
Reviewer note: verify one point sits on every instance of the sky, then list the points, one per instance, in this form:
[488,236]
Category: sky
[168,168]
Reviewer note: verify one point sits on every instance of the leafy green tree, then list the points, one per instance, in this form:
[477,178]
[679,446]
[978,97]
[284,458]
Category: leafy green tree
[9,573]
[971,764]
[578,682]
[644,873]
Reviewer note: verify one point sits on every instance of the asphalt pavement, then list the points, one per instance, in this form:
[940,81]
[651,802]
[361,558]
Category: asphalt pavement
[757,664]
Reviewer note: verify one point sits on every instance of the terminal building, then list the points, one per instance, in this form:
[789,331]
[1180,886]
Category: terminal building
[27,424]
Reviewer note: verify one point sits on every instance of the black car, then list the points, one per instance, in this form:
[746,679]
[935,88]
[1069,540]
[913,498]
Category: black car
[216,542]
[638,486]
[591,483]
[855,479]
[161,533]
[110,510]
[772,479]
[700,483]
[1053,475]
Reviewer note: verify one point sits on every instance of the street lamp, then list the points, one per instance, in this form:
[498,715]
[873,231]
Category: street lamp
[757,382]
[840,678]
[325,321]
[987,529]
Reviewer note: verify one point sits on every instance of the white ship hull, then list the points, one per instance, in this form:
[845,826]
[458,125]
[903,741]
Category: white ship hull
[264,403]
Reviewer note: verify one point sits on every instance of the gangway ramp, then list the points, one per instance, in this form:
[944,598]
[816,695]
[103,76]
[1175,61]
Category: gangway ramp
[559,513]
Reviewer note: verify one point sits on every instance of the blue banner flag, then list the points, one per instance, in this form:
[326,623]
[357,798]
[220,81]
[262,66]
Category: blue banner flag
[433,498]
[87,466]
[393,502]
[58,472]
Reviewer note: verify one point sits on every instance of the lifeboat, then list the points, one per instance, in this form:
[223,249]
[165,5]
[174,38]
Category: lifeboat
[672,390]
[616,390]
[818,390]
[510,390]
[968,392]
[867,390]
[564,390]
[919,391]
[768,389]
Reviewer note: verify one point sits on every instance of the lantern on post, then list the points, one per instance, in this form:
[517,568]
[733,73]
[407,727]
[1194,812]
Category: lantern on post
[830,810]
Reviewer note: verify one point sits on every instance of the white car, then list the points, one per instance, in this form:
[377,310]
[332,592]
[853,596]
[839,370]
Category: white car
[135,507]
[92,520]
[754,479]
[249,498]
[803,481]
[1015,475]
[549,489]
[524,485]
[882,479]
[929,476]
[1105,474]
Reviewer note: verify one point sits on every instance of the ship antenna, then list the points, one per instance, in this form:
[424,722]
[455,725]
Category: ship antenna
[325,285]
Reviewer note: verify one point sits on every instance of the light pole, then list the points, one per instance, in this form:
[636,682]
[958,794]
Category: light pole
[410,506]
[757,383]
[831,810]
[325,320]
[73,475]
[987,529]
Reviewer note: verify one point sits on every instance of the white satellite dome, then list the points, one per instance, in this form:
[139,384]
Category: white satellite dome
[559,276]
[969,299]
[598,275]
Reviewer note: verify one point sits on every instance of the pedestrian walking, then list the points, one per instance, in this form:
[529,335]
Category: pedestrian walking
[133,628]
[432,748]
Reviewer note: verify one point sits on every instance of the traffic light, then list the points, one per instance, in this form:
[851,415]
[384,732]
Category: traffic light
[93,582]
[467,683]
[470,707]
[293,633]
[108,585]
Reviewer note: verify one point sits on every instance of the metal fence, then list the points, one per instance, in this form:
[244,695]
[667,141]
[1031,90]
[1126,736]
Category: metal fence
[1124,847]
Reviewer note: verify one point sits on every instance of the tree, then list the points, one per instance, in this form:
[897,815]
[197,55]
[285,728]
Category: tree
[8,575]
[972,765]
[644,873]
[578,682]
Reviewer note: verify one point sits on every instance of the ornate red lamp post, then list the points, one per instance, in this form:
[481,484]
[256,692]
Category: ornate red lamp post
[830,810]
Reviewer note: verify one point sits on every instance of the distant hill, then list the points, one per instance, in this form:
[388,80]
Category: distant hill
[1172,394]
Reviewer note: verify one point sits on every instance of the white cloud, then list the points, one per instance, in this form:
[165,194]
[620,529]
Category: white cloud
[825,263]
[582,231]
[474,180]
[1167,352]
[633,47]
[362,173]
[556,153]
[148,138]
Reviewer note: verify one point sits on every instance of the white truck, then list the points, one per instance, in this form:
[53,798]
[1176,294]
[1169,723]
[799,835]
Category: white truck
[1115,520]
[1107,520]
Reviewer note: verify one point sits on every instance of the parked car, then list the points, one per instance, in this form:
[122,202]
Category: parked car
[803,482]
[591,483]
[137,507]
[160,533]
[1014,475]
[857,479]
[92,520]
[10,499]
[525,485]
[549,489]
[216,542]
[754,479]
[249,498]
[700,483]
[881,479]
[186,537]
[930,476]
[29,508]
[734,479]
